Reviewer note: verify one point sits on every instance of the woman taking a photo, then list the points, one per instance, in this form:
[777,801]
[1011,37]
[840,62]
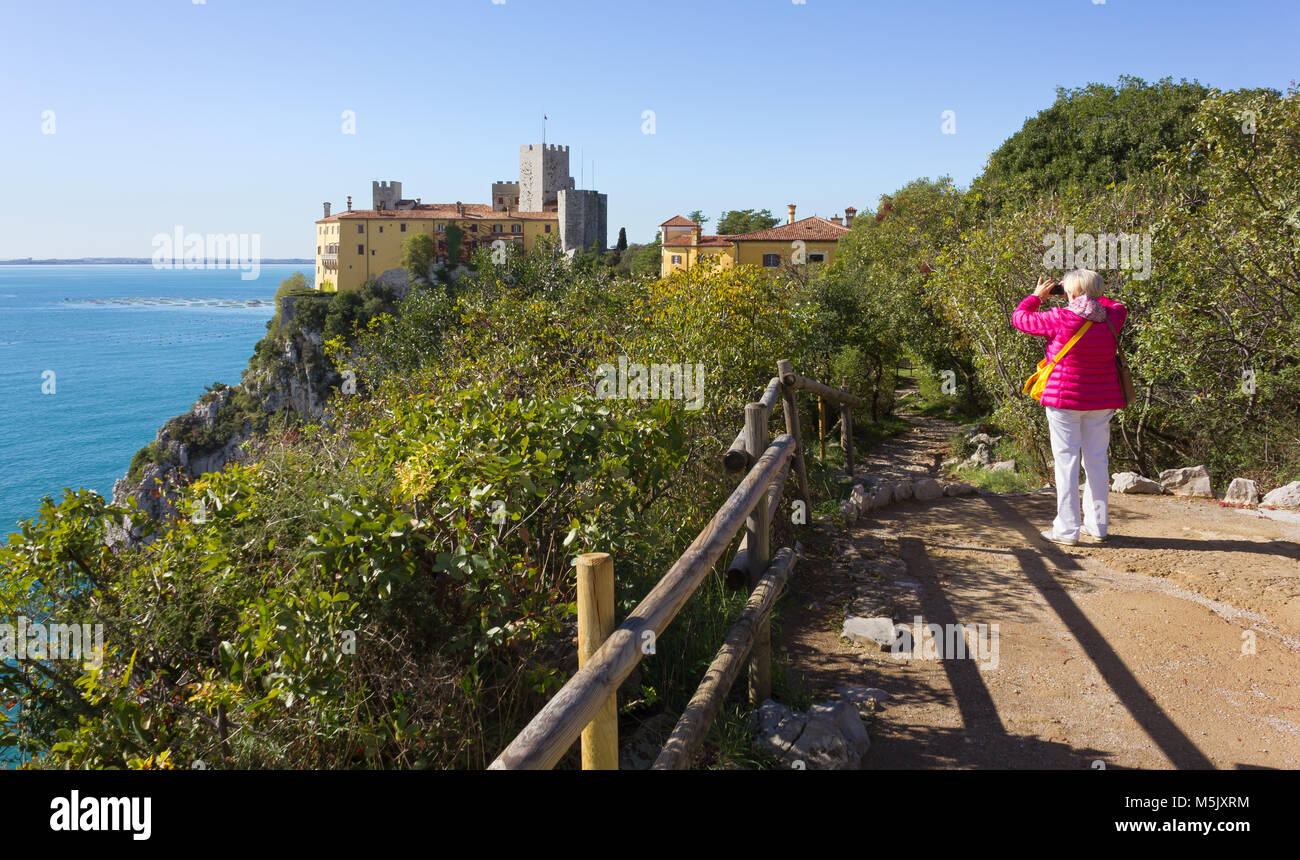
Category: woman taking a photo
[1082,393]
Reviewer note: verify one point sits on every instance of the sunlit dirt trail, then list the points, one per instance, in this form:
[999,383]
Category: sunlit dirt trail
[1177,644]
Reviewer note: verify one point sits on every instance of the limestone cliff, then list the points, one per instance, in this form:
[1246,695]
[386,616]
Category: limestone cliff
[288,374]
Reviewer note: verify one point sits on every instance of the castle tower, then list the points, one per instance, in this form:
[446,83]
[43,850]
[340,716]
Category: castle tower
[543,173]
[385,195]
[505,196]
[583,220]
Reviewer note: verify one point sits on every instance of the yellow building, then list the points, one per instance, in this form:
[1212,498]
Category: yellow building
[356,246]
[796,243]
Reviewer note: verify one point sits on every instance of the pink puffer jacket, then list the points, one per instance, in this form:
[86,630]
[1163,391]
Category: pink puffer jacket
[1086,378]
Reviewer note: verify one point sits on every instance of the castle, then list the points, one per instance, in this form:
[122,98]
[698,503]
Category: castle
[355,246]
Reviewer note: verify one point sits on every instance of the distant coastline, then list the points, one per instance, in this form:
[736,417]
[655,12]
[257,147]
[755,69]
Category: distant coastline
[132,261]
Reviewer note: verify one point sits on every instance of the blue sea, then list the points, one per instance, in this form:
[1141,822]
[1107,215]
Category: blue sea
[94,358]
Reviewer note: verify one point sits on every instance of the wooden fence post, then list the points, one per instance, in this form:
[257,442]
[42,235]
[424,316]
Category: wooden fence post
[785,367]
[595,623]
[758,539]
[846,430]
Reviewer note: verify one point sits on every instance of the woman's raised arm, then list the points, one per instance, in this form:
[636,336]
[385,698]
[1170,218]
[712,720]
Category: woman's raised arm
[1027,317]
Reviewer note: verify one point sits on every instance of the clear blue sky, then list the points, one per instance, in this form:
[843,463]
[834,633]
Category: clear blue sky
[225,116]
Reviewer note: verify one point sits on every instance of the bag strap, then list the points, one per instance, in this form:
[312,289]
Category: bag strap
[1056,359]
[1118,349]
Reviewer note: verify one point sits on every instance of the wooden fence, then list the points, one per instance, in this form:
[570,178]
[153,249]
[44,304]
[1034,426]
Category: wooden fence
[586,706]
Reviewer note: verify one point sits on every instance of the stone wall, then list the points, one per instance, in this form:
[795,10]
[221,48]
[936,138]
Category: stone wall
[385,194]
[543,172]
[505,196]
[583,220]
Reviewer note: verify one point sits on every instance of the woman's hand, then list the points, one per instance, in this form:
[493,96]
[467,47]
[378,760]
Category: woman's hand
[1045,285]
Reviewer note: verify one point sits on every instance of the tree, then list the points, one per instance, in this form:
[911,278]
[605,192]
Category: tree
[644,259]
[418,254]
[736,221]
[621,245]
[1099,134]
[455,236]
[698,217]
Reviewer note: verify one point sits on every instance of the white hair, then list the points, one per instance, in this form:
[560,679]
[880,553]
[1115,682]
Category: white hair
[1083,281]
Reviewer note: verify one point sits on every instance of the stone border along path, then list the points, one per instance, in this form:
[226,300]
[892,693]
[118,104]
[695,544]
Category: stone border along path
[1127,654]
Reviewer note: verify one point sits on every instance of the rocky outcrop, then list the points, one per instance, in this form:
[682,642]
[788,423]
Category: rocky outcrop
[1284,497]
[876,493]
[830,736]
[295,376]
[1190,481]
[1132,482]
[1242,492]
[185,447]
[927,489]
[869,631]
[300,380]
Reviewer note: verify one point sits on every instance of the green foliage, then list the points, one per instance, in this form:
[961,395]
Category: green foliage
[1098,134]
[621,245]
[150,454]
[733,221]
[455,237]
[418,256]
[878,300]
[1212,330]
[393,588]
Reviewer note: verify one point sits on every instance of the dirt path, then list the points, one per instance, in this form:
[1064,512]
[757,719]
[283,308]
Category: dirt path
[1136,653]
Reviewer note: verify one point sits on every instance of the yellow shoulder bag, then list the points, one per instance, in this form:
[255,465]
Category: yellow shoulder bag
[1035,384]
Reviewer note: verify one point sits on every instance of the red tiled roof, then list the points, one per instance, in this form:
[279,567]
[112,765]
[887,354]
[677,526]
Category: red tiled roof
[812,229]
[447,211]
[679,221]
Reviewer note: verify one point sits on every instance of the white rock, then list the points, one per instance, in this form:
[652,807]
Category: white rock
[983,456]
[1284,497]
[866,699]
[1132,482]
[884,495]
[957,488]
[869,631]
[927,489]
[1242,492]
[829,737]
[1003,466]
[1190,481]
[902,490]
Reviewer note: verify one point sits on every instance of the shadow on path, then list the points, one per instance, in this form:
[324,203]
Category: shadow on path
[1179,748]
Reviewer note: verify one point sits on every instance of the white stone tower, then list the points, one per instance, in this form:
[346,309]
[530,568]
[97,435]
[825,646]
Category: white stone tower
[543,173]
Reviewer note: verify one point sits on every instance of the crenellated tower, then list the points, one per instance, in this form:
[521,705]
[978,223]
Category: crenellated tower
[543,173]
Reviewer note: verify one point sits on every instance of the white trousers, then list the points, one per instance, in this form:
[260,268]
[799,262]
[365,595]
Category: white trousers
[1079,434]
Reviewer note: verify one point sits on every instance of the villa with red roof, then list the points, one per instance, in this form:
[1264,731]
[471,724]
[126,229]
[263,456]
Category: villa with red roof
[795,243]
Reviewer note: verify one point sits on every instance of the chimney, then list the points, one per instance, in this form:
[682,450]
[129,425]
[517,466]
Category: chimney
[790,216]
[349,202]
[327,209]
[849,213]
[837,221]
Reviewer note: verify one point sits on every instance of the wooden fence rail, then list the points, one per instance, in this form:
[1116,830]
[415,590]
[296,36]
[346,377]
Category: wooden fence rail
[586,706]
